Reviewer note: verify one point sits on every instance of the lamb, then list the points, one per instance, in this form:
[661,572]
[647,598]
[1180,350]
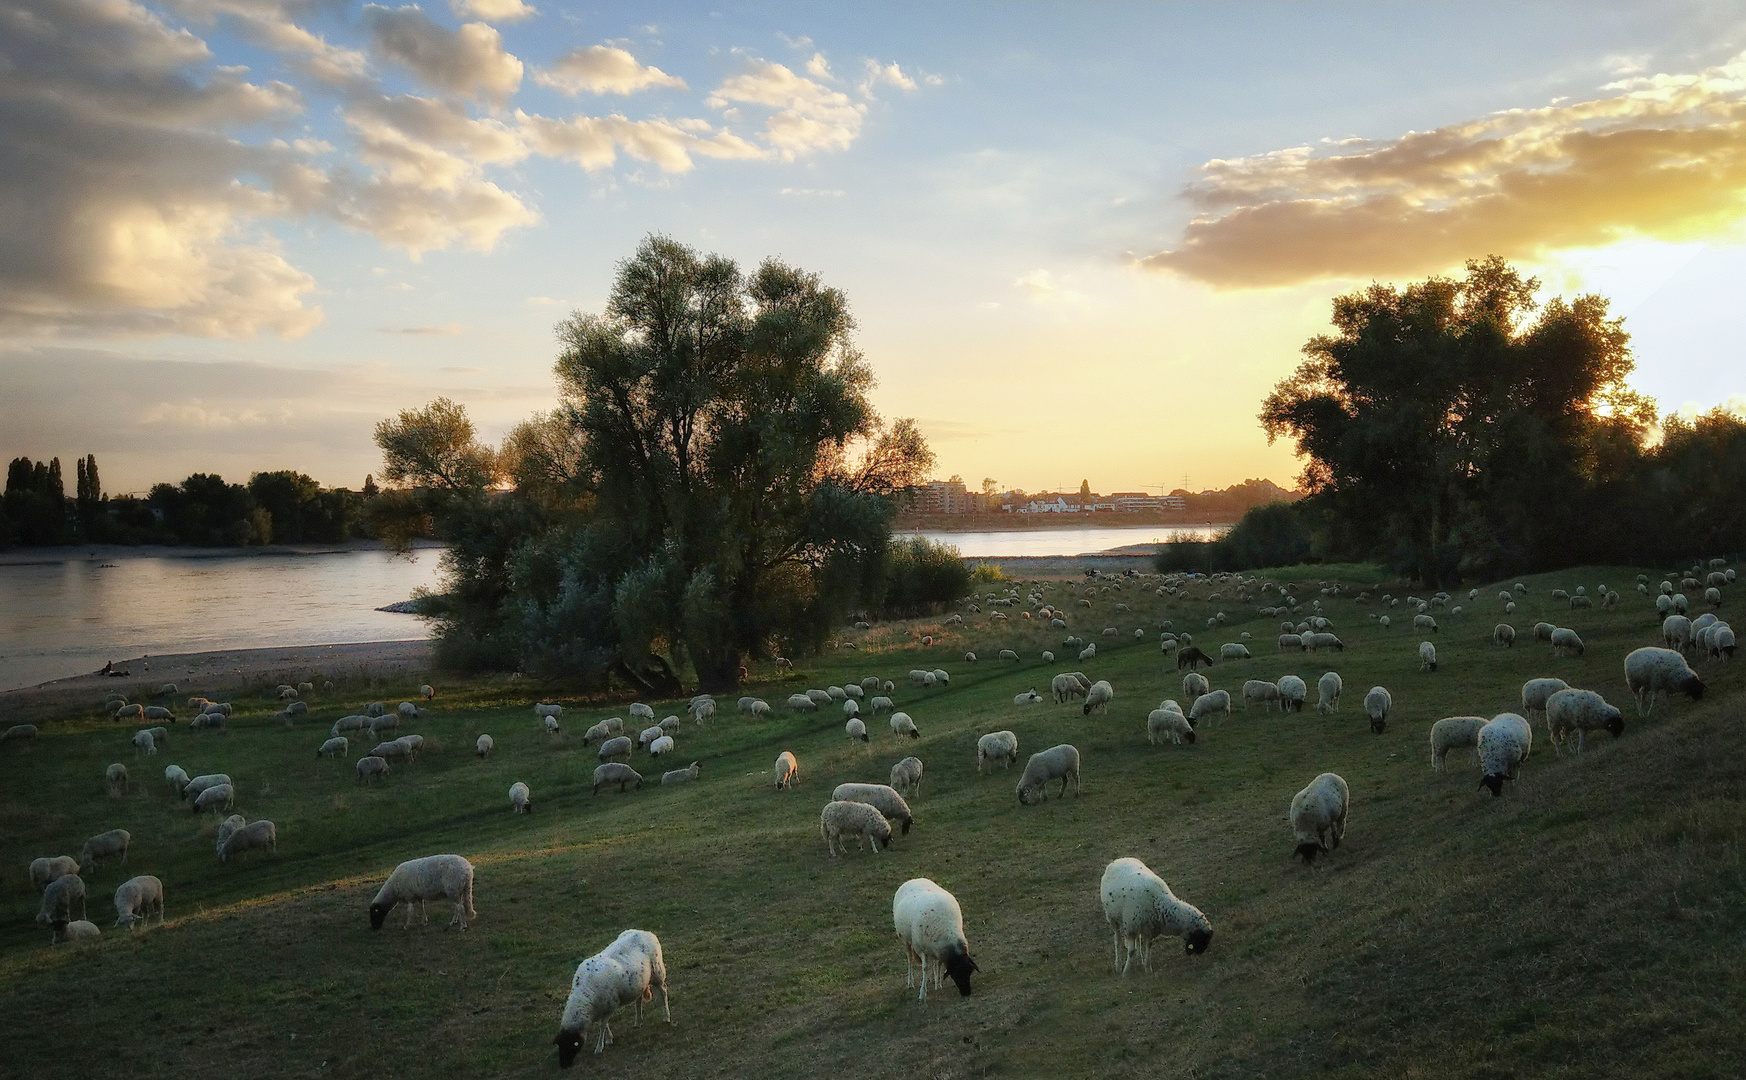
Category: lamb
[1565,642]
[650,734]
[45,870]
[434,877]
[59,899]
[1504,634]
[260,835]
[1233,651]
[1260,690]
[1536,691]
[1292,692]
[1318,816]
[78,930]
[1056,763]
[482,747]
[1504,743]
[617,748]
[787,770]
[1001,746]
[1580,711]
[1652,672]
[902,725]
[1169,724]
[662,745]
[1029,697]
[217,797]
[856,729]
[616,772]
[1454,733]
[1098,698]
[680,776]
[1328,690]
[116,777]
[1377,705]
[842,819]
[930,924]
[906,777]
[600,733]
[1427,656]
[1215,703]
[1139,907]
[880,796]
[104,845]
[520,799]
[627,972]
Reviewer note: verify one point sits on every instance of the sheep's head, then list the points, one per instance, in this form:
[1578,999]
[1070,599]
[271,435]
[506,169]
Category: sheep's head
[1494,781]
[1024,791]
[1308,850]
[1378,725]
[569,1045]
[1190,735]
[378,913]
[1616,724]
[907,822]
[1695,687]
[959,966]
[1197,941]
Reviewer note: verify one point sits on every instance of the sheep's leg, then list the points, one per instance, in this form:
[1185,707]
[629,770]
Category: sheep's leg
[1117,935]
[409,914]
[924,977]
[665,1010]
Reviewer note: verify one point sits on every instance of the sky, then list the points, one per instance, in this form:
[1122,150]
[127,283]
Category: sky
[1081,241]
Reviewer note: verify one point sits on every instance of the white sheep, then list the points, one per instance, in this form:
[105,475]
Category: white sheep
[880,703]
[482,747]
[680,776]
[1328,690]
[902,725]
[1427,656]
[854,728]
[627,972]
[640,711]
[1098,698]
[1056,763]
[1139,906]
[1169,724]
[1504,743]
[1260,690]
[434,877]
[841,819]
[650,734]
[851,708]
[1378,703]
[662,745]
[1580,711]
[116,777]
[617,772]
[260,835]
[1565,642]
[1536,691]
[1504,634]
[104,845]
[48,868]
[552,727]
[1652,672]
[520,798]
[801,703]
[880,796]
[59,898]
[617,748]
[1676,631]
[1454,733]
[144,743]
[906,777]
[544,711]
[1292,692]
[1216,703]
[1233,651]
[930,924]
[787,770]
[217,797]
[1318,815]
[1001,746]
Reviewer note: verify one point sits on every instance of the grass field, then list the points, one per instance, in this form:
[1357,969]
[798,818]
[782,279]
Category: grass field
[1592,922]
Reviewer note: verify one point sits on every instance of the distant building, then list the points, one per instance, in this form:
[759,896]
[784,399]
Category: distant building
[942,497]
[1132,502]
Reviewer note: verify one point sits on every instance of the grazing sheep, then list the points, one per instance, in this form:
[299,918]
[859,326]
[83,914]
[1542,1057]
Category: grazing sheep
[544,711]
[1504,634]
[1098,698]
[1194,684]
[520,799]
[1650,672]
[616,772]
[640,711]
[1424,622]
[105,845]
[1190,657]
[158,712]
[217,797]
[662,745]
[357,722]
[19,733]
[1565,642]
[416,881]
[1260,690]
[787,770]
[1001,746]
[942,676]
[649,735]
[1233,651]
[1504,743]
[680,776]
[45,870]
[116,777]
[1089,652]
[1056,763]
[1139,907]
[1427,656]
[627,972]
[260,835]
[1454,733]
[1536,691]
[1292,692]
[881,796]
[482,747]
[406,710]
[59,898]
[1318,816]
[854,728]
[1215,703]
[369,768]
[130,712]
[1328,690]
[391,722]
[1169,724]
[600,733]
[617,748]
[906,777]
[1580,711]
[1292,642]
[336,747]
[1377,705]
[1318,642]
[396,750]
[930,924]
[902,725]
[427,692]
[801,703]
[842,819]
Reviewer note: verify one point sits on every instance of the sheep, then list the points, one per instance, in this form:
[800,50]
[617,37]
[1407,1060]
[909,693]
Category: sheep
[158,712]
[217,797]
[45,870]
[879,704]
[1318,816]
[599,733]
[130,712]
[1190,657]
[942,676]
[1214,703]
[406,710]
[880,796]
[369,768]
[1328,690]
[1504,743]
[1722,644]
[1001,746]
[356,722]
[1427,656]
[77,930]
[1377,705]
[1318,642]
[19,733]
[1536,691]
[787,770]
[1048,657]
[260,835]
[902,725]
[1453,733]
[1029,697]
[1713,597]
[1424,622]
[760,709]
[640,711]
[434,877]
[854,728]
[520,798]
[906,777]
[616,772]
[842,819]
[378,708]
[969,658]
[1292,692]
[1676,631]
[662,745]
[59,899]
[836,693]
[116,777]
[1565,642]
[1543,631]
[930,924]
[1063,688]
[391,722]
[1292,642]
[1169,724]
[1260,690]
[617,748]
[1098,698]
[1580,711]
[680,776]
[1504,634]
[649,735]
[396,750]
[1581,602]
[544,711]
[851,708]
[1089,652]
[1650,672]
[104,845]
[627,972]
[801,703]
[426,691]
[1139,906]
[1194,684]
[1056,763]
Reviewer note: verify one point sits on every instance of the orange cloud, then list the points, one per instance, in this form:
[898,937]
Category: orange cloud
[1663,158]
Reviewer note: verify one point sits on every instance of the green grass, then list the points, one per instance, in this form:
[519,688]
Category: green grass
[1592,922]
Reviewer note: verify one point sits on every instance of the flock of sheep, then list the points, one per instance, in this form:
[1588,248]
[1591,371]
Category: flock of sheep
[1138,905]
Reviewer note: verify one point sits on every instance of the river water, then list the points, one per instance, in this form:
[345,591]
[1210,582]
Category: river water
[67,618]
[1064,541]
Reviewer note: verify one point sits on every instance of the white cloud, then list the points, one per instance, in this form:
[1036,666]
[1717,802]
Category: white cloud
[470,61]
[445,330]
[877,74]
[594,142]
[808,116]
[267,24]
[602,69]
[493,10]
[813,193]
[819,68]
[1038,284]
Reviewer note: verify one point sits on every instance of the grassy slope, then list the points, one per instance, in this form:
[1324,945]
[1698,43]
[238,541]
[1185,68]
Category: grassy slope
[1589,923]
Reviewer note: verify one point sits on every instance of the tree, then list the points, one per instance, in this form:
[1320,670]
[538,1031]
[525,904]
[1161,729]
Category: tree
[1085,489]
[369,490]
[435,447]
[990,486]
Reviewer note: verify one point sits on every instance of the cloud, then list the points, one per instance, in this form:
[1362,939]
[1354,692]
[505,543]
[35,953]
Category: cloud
[594,142]
[1663,157]
[808,117]
[267,24]
[453,329]
[602,69]
[493,10]
[819,68]
[813,193]
[877,74]
[470,61]
[1038,284]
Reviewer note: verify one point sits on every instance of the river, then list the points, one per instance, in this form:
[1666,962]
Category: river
[1086,540]
[66,618]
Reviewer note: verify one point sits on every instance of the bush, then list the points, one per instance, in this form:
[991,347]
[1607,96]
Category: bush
[1277,534]
[922,577]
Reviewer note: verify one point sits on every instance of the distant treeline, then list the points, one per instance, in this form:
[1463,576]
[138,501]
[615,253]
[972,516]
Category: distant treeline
[1452,437]
[282,507]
